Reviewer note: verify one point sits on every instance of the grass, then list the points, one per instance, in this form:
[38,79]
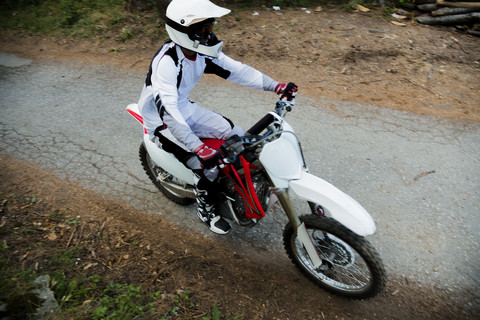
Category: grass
[88,18]
[78,293]
[67,17]
[124,301]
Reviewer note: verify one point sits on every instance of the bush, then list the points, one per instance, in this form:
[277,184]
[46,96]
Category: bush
[71,16]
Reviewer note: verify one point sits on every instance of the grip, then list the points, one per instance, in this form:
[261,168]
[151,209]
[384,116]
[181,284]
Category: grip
[261,124]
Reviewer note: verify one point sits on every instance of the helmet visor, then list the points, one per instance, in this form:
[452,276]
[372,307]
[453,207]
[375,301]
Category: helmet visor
[203,28]
[203,32]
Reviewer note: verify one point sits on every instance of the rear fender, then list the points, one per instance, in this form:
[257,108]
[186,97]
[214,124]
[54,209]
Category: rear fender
[164,159]
[167,161]
[337,204]
[132,109]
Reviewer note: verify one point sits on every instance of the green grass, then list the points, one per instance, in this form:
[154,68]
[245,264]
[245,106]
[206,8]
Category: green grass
[78,295]
[124,301]
[87,18]
[15,287]
[68,17]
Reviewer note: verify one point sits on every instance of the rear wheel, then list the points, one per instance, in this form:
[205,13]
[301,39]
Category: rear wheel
[351,267]
[162,179]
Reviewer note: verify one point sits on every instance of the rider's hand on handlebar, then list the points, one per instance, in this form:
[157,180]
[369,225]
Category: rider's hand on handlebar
[286,90]
[208,157]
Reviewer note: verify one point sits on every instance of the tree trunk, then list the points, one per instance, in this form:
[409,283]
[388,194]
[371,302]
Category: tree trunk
[468,18]
[451,10]
[424,1]
[427,7]
[458,4]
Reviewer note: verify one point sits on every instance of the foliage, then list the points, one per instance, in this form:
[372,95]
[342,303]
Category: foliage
[15,288]
[78,293]
[87,18]
[78,17]
[124,301]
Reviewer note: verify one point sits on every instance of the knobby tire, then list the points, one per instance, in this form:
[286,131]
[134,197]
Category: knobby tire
[358,243]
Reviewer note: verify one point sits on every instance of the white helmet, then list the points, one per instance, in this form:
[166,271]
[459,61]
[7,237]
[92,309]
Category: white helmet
[189,23]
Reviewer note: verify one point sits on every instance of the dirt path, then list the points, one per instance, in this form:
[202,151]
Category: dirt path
[341,55]
[143,250]
[432,71]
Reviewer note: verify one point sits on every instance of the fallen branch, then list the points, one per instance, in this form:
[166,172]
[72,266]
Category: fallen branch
[422,175]
[468,18]
[71,235]
[420,86]
[474,33]
[450,10]
[427,7]
[458,4]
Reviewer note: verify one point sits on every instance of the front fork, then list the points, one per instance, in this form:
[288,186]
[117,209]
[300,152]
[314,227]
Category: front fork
[299,227]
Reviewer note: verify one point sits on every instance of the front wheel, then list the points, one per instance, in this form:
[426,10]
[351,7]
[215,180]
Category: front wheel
[351,267]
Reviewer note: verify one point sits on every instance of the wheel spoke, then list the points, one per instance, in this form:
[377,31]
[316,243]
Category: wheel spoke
[350,265]
[348,275]
[333,251]
[351,274]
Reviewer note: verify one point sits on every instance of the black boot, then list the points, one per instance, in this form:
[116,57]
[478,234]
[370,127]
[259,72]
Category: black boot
[206,213]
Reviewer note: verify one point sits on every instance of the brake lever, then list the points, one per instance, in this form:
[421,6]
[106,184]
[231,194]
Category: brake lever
[289,105]
[284,104]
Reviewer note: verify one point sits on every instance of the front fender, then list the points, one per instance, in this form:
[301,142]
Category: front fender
[337,204]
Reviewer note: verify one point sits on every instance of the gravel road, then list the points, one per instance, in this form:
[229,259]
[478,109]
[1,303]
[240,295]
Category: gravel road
[418,176]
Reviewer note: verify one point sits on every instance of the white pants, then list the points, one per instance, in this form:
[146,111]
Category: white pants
[205,124]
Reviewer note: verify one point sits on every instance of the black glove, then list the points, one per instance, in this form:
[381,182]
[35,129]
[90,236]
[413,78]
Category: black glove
[286,90]
[208,157]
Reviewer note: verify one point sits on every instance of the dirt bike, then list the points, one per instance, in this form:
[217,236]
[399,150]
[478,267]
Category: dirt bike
[267,166]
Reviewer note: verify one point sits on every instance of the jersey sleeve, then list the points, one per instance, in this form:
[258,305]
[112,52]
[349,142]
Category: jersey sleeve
[239,73]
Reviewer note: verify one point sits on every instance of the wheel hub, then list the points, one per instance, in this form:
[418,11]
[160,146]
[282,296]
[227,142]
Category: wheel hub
[334,252]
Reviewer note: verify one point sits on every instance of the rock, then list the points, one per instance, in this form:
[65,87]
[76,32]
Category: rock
[49,305]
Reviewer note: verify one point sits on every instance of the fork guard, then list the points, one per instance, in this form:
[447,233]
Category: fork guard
[337,204]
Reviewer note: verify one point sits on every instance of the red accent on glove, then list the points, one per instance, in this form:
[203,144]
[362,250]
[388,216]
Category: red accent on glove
[286,90]
[208,157]
[280,88]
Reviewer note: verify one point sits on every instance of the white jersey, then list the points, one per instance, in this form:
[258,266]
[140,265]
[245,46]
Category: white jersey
[171,78]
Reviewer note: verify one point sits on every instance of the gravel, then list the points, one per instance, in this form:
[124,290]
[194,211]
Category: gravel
[418,176]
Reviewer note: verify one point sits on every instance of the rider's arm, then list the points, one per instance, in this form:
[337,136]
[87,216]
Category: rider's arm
[239,73]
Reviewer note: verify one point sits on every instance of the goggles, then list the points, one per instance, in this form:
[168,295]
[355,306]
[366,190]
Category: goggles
[203,28]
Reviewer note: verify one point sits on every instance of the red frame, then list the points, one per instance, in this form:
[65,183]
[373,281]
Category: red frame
[253,208]
[244,187]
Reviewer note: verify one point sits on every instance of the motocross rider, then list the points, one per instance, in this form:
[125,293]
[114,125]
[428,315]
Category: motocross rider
[175,123]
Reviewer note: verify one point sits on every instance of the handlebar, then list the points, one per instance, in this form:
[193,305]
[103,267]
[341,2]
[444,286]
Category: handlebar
[234,146]
[261,124]
[281,105]
[284,105]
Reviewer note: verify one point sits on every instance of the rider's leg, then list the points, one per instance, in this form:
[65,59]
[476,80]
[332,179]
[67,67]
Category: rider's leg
[206,123]
[205,192]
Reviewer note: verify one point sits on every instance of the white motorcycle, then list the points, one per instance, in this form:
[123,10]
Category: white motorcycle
[263,167]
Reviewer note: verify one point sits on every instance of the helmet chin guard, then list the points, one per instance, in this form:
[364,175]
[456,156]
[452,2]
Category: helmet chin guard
[182,18]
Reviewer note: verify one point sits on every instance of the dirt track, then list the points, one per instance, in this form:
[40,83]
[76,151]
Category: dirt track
[342,55]
[417,68]
[146,250]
